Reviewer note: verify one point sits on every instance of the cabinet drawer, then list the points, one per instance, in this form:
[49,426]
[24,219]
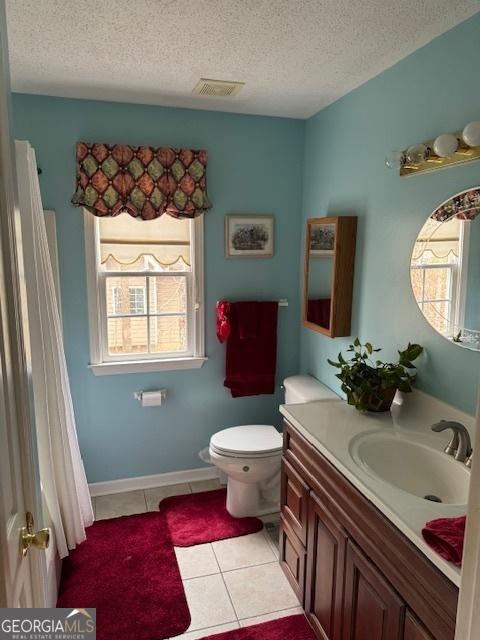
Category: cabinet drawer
[294,501]
[292,559]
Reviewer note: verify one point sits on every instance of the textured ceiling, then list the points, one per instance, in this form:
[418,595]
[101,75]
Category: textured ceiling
[296,56]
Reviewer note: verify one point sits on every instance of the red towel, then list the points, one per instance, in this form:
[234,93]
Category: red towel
[223,323]
[318,312]
[251,348]
[445,536]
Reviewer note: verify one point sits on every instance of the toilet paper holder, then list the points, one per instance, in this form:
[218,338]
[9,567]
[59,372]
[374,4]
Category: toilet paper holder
[151,398]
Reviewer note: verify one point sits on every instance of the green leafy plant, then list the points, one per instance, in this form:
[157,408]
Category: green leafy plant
[371,385]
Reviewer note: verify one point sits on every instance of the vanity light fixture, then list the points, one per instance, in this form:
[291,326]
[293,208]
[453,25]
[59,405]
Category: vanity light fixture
[446,150]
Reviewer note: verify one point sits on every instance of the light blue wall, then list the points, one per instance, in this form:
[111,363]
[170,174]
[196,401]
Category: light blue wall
[255,166]
[435,90]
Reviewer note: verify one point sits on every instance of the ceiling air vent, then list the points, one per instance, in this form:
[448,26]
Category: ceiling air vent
[217,88]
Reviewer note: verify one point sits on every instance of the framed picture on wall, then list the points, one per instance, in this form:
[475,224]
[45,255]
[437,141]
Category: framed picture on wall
[322,240]
[249,236]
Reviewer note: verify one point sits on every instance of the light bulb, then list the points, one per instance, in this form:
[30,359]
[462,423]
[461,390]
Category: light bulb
[395,160]
[471,134]
[417,153]
[445,145]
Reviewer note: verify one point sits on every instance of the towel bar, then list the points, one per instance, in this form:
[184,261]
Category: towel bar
[283,302]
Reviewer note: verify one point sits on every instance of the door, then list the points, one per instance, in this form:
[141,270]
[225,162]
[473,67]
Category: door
[372,610]
[468,613]
[327,542]
[21,577]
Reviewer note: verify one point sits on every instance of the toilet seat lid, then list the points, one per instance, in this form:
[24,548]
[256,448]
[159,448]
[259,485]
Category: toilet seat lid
[248,440]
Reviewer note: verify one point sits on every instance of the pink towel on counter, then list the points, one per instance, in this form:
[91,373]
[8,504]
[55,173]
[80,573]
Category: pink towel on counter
[445,536]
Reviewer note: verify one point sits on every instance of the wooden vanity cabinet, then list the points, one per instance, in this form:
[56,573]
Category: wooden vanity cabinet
[357,576]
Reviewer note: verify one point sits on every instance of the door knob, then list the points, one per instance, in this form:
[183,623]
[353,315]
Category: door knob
[30,538]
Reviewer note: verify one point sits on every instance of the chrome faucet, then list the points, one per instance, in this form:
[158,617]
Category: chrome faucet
[460,446]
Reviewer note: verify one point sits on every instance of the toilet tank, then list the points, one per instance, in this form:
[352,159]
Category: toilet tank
[299,389]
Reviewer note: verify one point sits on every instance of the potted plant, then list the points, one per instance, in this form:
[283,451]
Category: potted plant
[369,385]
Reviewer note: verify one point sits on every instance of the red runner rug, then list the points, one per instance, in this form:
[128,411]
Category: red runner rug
[291,628]
[197,518]
[127,570]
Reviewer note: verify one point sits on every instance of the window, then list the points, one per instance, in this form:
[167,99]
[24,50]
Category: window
[438,273]
[136,297]
[435,294]
[145,291]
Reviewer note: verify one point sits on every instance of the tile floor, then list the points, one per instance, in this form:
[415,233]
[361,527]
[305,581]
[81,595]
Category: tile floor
[228,584]
[126,504]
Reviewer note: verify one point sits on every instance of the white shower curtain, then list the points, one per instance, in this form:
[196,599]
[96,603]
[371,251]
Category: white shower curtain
[62,474]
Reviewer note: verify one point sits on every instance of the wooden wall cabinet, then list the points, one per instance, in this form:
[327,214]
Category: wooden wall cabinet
[329,266]
[355,573]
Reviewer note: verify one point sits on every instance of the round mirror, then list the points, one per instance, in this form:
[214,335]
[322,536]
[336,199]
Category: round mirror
[445,269]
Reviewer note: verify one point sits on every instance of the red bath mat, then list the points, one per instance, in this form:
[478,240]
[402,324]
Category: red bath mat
[127,569]
[291,628]
[197,518]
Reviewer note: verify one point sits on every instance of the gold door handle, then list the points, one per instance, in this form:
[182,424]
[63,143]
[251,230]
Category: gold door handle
[30,538]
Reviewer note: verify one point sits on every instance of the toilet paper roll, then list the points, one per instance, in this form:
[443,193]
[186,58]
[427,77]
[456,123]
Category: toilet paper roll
[152,398]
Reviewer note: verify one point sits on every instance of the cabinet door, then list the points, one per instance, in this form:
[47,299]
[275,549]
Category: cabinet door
[327,542]
[294,501]
[292,559]
[372,610]
[414,629]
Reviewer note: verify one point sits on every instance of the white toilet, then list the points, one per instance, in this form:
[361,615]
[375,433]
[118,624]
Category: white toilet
[249,455]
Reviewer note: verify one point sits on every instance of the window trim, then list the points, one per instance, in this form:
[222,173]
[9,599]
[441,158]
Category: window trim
[98,365]
[464,254]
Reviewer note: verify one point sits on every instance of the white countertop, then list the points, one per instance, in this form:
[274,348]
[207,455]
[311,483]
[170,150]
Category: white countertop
[330,426]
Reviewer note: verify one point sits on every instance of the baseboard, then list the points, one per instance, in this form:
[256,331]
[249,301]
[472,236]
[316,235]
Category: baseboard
[147,482]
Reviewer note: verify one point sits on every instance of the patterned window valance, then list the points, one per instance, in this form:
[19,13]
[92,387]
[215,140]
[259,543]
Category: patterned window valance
[464,206]
[144,181]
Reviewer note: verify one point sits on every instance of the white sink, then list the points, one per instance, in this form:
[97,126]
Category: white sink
[412,466]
